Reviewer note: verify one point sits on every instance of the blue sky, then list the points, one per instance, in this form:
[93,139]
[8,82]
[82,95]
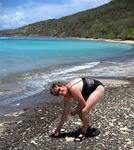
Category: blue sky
[17,13]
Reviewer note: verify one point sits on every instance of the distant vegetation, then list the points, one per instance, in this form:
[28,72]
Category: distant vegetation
[114,20]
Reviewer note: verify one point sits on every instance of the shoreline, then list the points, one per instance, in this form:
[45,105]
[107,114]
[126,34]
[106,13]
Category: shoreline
[108,40]
[32,127]
[45,97]
[79,38]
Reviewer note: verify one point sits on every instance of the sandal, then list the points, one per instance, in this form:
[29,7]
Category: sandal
[92,132]
[80,137]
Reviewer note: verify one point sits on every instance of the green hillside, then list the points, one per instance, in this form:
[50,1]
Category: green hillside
[114,20]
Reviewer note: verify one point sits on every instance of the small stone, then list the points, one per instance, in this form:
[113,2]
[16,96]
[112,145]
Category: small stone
[131,115]
[111,124]
[27,129]
[113,134]
[125,146]
[126,133]
[77,123]
[113,120]
[106,133]
[17,104]
[39,110]
[42,118]
[128,139]
[19,122]
[69,139]
[124,129]
[63,130]
[24,133]
[129,142]
[33,142]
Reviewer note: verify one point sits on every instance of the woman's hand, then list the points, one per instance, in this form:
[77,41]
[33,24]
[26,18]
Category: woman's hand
[57,132]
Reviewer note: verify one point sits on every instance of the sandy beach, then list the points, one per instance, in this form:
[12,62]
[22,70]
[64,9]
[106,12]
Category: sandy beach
[31,128]
[109,40]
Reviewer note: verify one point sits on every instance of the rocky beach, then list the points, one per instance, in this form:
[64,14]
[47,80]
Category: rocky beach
[31,128]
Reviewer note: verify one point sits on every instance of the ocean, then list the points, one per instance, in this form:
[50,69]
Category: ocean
[28,65]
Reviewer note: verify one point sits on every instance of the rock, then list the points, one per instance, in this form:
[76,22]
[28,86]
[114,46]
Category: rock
[69,139]
[39,110]
[63,130]
[124,129]
[111,124]
[33,142]
[17,104]
[77,123]
[113,120]
[106,133]
[129,142]
[42,118]
[19,122]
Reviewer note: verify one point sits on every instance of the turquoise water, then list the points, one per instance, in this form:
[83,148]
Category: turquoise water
[29,65]
[17,55]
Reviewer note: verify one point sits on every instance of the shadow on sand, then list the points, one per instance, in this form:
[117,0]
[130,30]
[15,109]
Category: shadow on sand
[92,133]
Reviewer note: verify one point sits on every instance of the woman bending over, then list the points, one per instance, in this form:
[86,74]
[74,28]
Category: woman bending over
[87,92]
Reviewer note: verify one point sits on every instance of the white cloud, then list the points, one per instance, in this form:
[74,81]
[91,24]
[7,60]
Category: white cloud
[14,19]
[33,12]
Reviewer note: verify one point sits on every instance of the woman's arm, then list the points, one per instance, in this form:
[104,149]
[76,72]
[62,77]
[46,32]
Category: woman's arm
[81,101]
[66,111]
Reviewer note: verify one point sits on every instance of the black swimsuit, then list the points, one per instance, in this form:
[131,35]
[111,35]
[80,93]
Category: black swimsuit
[89,86]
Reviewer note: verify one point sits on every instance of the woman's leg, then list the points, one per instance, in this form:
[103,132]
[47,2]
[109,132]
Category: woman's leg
[80,115]
[96,96]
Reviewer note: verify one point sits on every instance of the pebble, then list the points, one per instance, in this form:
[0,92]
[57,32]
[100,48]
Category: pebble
[129,142]
[39,110]
[111,124]
[77,123]
[19,122]
[131,115]
[63,130]
[42,118]
[124,129]
[17,104]
[124,132]
[24,133]
[113,120]
[69,139]
[106,133]
[27,129]
[33,142]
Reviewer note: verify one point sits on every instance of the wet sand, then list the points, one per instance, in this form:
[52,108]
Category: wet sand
[31,128]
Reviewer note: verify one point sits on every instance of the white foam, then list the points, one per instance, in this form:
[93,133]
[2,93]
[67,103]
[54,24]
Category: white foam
[3,38]
[37,83]
[75,68]
[115,69]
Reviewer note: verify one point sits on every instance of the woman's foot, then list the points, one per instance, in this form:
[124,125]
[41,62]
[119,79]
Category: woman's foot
[80,137]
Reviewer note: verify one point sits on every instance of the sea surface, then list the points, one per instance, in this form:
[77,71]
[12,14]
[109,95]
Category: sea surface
[28,65]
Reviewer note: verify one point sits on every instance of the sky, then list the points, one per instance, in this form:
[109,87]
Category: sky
[17,13]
